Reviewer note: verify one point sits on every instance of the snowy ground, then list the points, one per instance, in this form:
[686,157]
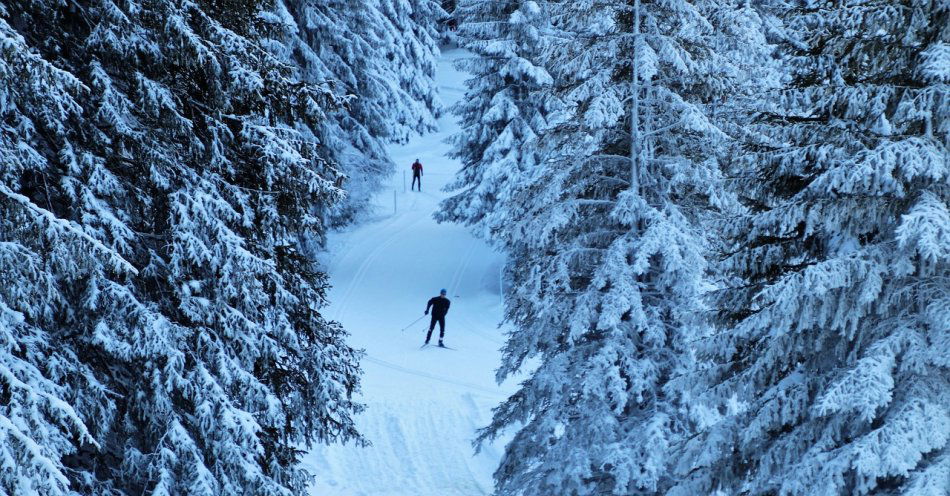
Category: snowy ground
[423,406]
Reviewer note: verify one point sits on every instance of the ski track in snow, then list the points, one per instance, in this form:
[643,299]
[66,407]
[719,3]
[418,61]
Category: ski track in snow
[423,406]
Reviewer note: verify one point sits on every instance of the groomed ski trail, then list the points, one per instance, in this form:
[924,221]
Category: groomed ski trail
[422,407]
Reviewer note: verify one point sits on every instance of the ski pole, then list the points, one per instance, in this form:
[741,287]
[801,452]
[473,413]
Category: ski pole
[411,324]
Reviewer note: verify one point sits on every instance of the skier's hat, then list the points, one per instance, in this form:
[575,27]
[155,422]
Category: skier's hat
[443,291]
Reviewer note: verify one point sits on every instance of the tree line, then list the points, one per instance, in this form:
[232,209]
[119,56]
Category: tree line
[728,240]
[166,169]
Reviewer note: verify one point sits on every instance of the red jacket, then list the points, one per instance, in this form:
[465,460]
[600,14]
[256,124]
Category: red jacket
[417,168]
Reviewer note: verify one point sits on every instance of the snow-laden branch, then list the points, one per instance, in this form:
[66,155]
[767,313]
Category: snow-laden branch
[63,225]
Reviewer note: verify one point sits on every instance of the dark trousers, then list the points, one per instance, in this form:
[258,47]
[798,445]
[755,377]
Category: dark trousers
[416,177]
[441,321]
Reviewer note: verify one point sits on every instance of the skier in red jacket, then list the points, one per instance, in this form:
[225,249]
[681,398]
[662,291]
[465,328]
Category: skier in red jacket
[416,174]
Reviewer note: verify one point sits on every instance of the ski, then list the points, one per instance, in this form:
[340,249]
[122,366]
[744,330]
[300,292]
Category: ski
[437,346]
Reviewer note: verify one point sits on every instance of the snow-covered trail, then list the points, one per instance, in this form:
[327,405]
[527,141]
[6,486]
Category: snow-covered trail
[423,406]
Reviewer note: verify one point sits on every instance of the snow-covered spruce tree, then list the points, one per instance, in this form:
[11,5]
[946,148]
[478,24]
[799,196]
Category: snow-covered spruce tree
[413,29]
[159,161]
[38,427]
[606,252]
[384,59]
[449,23]
[502,113]
[832,364]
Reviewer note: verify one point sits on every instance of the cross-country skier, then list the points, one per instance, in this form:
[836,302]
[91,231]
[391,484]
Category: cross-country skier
[440,307]
[416,174]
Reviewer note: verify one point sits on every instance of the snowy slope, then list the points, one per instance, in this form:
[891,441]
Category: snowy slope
[422,405]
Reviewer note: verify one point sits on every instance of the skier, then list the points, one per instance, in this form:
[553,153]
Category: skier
[416,174]
[440,307]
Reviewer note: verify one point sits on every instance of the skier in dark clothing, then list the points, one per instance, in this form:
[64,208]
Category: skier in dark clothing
[416,174]
[440,307]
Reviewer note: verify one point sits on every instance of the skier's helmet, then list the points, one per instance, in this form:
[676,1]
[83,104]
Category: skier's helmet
[442,292]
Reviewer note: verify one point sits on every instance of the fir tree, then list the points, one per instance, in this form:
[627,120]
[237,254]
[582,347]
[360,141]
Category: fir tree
[606,247]
[831,372]
[502,113]
[414,31]
[450,22]
[161,160]
[38,425]
[382,54]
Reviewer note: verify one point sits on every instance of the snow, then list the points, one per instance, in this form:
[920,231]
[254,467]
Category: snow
[423,406]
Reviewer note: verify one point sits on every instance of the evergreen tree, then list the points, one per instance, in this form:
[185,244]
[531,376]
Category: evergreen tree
[606,247]
[831,373]
[414,28]
[502,113]
[450,22]
[38,426]
[381,53]
[159,330]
